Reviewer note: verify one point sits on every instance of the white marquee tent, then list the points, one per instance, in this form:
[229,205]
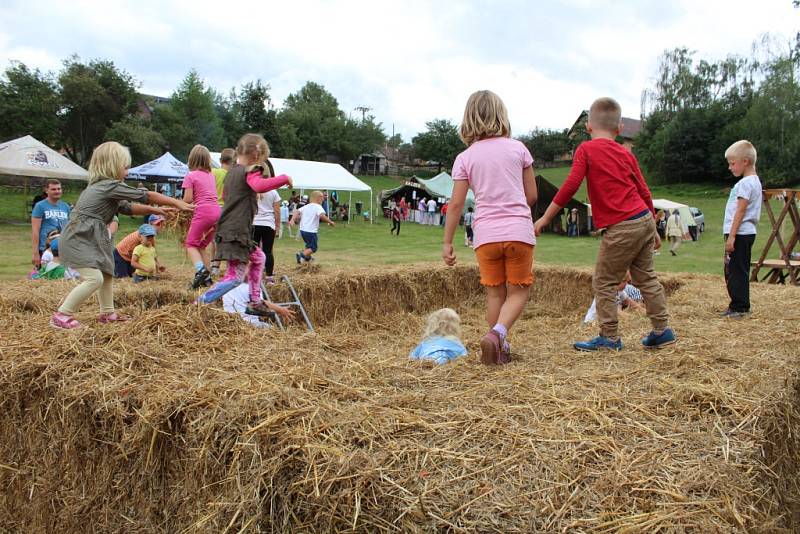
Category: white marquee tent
[683,210]
[309,175]
[28,157]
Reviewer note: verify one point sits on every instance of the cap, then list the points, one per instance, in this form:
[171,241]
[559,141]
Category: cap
[153,219]
[147,230]
[574,209]
[54,246]
[305,197]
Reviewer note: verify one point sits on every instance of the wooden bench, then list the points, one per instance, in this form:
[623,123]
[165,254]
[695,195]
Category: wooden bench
[775,273]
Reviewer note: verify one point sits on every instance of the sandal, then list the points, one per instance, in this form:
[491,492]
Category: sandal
[112,317]
[61,321]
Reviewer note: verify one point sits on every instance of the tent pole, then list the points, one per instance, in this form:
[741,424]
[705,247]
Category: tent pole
[350,208]
[371,213]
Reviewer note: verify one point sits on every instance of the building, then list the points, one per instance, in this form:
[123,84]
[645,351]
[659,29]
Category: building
[147,103]
[630,129]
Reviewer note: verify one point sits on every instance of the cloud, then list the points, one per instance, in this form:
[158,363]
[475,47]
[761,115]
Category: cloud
[410,62]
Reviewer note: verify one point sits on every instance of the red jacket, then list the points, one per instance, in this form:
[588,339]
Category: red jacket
[617,190]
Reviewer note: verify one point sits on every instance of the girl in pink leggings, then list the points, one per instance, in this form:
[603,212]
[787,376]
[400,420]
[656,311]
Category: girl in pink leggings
[234,238]
[200,189]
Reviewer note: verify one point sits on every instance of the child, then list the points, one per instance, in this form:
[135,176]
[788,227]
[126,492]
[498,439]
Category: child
[285,219]
[309,217]
[440,341]
[396,217]
[145,258]
[628,298]
[742,213]
[47,254]
[468,235]
[237,300]
[123,252]
[200,189]
[622,210]
[499,170]
[267,219]
[52,269]
[85,244]
[235,228]
[226,158]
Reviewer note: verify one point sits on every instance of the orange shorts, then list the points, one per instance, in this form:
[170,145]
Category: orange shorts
[505,262]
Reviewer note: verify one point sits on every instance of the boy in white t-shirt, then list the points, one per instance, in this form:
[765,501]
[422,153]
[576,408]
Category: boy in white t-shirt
[309,217]
[742,213]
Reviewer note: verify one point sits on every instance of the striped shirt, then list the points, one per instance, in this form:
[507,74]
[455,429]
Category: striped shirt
[629,292]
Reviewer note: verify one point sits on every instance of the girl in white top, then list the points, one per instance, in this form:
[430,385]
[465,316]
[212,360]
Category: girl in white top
[265,223]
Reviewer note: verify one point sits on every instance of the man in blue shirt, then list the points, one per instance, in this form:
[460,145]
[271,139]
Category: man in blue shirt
[49,214]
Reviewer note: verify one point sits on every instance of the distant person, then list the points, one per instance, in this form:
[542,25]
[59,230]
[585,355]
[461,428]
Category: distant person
[661,224]
[572,223]
[265,223]
[468,232]
[431,212]
[674,232]
[199,188]
[623,211]
[396,216]
[309,217]
[144,259]
[403,205]
[499,170]
[285,227]
[84,243]
[422,209]
[40,196]
[48,214]
[123,252]
[742,213]
[245,261]
[443,218]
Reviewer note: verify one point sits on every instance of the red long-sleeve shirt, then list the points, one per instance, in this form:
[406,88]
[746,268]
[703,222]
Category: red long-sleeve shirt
[617,190]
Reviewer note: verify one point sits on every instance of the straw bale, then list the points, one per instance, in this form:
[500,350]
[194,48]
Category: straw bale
[185,419]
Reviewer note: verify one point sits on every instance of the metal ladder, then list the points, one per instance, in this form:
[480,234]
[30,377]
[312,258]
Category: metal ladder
[295,302]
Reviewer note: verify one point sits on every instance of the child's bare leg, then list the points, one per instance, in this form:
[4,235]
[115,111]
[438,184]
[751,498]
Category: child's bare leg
[307,252]
[515,301]
[495,297]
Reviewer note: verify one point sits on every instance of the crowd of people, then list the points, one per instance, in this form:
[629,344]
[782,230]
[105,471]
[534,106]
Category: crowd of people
[237,215]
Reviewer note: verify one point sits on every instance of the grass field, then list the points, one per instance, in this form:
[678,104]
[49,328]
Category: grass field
[360,243]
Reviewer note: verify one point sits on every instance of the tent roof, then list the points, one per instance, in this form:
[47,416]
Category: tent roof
[28,157]
[664,204]
[167,166]
[318,175]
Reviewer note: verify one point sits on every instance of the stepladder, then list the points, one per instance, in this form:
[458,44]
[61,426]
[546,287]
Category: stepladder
[295,303]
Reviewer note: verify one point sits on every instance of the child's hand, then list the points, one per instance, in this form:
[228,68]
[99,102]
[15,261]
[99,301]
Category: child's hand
[164,212]
[729,243]
[537,227]
[285,313]
[448,255]
[183,206]
[657,243]
[289,181]
[331,223]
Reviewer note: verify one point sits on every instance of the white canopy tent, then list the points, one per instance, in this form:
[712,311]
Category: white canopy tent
[317,175]
[28,157]
[683,210]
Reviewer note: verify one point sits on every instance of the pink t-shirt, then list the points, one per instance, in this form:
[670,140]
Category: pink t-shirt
[204,187]
[493,168]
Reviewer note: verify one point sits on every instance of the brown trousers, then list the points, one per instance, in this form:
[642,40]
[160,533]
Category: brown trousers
[628,245]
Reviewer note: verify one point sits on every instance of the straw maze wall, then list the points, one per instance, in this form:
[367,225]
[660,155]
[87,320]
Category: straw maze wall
[137,428]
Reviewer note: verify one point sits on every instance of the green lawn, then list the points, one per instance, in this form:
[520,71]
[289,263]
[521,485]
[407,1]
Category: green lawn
[361,243]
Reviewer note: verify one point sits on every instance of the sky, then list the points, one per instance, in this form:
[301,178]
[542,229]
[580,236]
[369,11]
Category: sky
[409,62]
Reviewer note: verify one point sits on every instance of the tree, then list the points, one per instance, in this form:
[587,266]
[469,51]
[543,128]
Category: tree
[395,141]
[547,145]
[311,124]
[94,96]
[144,143]
[362,137]
[29,105]
[439,143]
[190,117]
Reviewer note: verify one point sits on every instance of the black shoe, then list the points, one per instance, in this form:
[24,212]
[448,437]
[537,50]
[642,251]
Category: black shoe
[200,278]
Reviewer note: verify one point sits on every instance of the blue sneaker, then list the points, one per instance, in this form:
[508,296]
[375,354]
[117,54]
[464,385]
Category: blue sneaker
[598,343]
[656,341]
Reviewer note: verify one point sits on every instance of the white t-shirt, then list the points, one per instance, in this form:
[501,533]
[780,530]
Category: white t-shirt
[309,217]
[266,209]
[431,206]
[236,301]
[748,188]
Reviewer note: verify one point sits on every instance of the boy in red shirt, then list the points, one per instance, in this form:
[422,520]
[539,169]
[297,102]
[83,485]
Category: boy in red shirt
[623,212]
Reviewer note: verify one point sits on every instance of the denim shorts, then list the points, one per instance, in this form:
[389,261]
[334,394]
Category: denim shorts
[310,239]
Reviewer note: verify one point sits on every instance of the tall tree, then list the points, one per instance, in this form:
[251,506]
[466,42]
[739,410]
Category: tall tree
[362,136]
[547,145]
[94,96]
[311,124]
[29,105]
[439,143]
[144,143]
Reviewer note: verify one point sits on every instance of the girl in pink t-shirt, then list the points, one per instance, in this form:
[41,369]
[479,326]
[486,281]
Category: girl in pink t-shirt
[499,170]
[200,188]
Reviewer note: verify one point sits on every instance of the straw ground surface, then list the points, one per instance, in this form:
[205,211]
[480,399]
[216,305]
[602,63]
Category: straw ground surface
[185,419]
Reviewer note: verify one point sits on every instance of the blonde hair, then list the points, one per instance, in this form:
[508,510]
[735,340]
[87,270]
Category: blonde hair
[742,150]
[253,146]
[316,195]
[228,155]
[605,113]
[485,116]
[444,322]
[200,158]
[109,161]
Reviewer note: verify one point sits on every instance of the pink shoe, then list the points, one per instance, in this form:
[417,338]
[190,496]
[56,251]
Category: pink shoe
[504,356]
[490,348]
[64,322]
[112,317]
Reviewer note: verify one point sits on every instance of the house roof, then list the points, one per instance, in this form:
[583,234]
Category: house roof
[630,127]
